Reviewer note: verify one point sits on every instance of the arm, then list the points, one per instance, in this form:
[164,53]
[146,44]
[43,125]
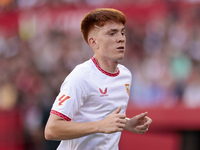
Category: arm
[138,124]
[59,129]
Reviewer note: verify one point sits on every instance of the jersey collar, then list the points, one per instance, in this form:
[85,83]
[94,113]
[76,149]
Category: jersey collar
[103,71]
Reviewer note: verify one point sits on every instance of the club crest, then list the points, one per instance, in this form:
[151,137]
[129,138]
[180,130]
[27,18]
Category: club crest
[127,89]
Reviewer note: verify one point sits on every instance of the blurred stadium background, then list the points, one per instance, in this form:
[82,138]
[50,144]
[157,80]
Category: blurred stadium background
[40,43]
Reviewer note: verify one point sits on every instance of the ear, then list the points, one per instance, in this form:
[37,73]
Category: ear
[93,43]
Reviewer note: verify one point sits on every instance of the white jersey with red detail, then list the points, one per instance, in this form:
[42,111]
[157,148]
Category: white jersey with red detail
[89,94]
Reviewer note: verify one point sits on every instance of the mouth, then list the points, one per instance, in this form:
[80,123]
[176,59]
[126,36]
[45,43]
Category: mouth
[121,48]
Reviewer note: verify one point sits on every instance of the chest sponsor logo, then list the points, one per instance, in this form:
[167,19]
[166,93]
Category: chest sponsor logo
[62,99]
[127,86]
[103,93]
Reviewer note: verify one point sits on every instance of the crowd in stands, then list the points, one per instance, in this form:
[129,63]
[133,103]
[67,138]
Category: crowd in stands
[163,55]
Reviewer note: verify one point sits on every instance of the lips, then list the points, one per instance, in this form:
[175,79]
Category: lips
[121,47]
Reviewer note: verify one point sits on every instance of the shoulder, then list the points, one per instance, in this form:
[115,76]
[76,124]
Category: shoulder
[79,74]
[124,70]
[82,70]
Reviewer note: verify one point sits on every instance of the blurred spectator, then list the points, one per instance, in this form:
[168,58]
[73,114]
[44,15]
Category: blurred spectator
[24,4]
[191,95]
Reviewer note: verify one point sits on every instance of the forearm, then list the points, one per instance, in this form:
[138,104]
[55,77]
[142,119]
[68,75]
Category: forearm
[64,130]
[59,129]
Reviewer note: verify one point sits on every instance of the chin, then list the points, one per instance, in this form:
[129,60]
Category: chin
[120,58]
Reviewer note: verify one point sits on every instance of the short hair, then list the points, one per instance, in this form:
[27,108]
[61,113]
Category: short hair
[99,17]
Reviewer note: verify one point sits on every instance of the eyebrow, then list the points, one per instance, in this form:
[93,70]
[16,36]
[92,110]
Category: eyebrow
[115,30]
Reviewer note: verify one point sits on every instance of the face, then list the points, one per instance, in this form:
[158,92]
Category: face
[110,40]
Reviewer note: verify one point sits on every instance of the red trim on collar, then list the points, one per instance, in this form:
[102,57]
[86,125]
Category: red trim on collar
[103,71]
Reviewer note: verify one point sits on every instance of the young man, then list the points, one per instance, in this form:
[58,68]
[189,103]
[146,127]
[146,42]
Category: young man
[89,112]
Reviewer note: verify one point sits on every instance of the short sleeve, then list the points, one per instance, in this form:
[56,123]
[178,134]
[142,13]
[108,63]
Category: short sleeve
[71,97]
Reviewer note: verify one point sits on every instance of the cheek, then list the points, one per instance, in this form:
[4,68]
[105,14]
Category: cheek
[108,44]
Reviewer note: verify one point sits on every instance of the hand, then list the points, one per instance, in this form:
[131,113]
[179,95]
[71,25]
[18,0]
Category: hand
[115,122]
[139,124]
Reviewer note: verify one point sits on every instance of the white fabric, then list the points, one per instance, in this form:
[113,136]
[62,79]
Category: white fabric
[94,94]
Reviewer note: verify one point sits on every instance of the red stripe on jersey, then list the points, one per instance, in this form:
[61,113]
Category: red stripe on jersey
[60,115]
[62,99]
[103,71]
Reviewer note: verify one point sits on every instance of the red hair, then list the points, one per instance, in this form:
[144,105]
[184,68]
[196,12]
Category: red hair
[99,17]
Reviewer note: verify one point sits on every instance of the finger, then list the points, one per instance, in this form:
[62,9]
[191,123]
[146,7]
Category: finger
[117,110]
[120,129]
[148,121]
[142,115]
[121,125]
[142,131]
[143,127]
[123,121]
[121,116]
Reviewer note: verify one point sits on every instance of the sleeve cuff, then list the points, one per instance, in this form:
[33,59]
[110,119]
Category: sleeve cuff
[60,115]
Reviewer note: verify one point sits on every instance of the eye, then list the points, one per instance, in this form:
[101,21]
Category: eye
[111,33]
[123,33]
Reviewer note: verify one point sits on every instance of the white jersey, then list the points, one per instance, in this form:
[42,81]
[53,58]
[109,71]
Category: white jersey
[89,94]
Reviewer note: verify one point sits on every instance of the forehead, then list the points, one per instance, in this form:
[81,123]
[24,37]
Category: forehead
[111,25]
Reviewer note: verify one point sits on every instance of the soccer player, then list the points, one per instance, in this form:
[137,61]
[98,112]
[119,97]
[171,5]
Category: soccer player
[89,111]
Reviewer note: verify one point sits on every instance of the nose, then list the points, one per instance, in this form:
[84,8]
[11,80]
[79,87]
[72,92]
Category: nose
[121,38]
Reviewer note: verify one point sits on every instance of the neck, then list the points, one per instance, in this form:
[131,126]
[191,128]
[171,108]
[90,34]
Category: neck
[107,65]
